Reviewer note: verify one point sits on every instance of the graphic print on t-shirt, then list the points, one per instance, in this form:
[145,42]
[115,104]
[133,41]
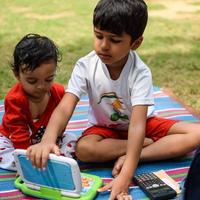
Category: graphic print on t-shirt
[38,136]
[117,105]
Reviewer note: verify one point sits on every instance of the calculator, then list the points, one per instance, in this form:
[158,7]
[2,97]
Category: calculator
[154,187]
[61,180]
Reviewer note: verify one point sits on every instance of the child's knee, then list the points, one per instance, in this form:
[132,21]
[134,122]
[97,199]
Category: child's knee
[194,132]
[81,145]
[84,149]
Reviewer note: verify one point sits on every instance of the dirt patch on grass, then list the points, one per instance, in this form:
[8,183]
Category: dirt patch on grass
[47,17]
[27,12]
[177,9]
[174,9]
[19,9]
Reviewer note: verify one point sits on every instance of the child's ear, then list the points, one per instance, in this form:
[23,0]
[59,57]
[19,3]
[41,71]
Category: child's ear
[137,43]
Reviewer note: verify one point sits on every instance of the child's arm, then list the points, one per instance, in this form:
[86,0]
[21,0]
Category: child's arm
[39,153]
[15,122]
[136,134]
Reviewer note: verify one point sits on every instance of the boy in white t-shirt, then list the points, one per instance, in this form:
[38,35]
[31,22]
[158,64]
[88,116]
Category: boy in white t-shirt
[120,91]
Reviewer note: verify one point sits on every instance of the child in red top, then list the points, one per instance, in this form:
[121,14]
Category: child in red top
[30,102]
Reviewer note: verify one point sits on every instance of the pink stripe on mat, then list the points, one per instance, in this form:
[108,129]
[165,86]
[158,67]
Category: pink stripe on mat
[14,194]
[160,95]
[178,171]
[75,128]
[178,174]
[80,112]
[10,193]
[78,121]
[4,176]
[173,113]
[173,110]
[82,102]
[172,116]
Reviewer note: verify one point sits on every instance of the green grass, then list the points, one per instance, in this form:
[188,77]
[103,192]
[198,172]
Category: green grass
[157,6]
[68,23]
[171,46]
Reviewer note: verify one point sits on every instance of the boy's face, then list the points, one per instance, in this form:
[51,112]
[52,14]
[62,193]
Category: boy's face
[112,49]
[37,83]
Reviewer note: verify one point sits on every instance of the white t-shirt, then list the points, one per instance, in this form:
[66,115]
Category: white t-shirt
[110,100]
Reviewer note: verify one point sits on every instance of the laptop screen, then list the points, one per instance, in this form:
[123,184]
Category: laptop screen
[56,175]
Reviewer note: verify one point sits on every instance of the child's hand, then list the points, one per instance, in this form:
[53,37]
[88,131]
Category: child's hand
[124,196]
[39,153]
[120,161]
[119,188]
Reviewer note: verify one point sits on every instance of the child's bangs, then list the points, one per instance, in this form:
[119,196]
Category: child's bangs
[108,22]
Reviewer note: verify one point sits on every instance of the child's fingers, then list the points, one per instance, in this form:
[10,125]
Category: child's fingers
[45,154]
[39,154]
[34,153]
[44,159]
[113,196]
[37,159]
[31,155]
[56,150]
[28,151]
[124,196]
[105,187]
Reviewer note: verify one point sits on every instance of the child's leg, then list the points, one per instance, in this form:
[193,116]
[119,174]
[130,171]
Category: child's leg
[102,144]
[147,141]
[182,137]
[68,144]
[6,154]
[95,148]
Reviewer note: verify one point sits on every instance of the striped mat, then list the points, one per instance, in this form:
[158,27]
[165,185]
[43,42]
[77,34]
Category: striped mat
[166,106]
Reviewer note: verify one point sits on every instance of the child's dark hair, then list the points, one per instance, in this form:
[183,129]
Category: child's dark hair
[119,16]
[33,50]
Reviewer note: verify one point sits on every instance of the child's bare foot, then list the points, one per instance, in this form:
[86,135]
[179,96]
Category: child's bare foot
[120,161]
[118,166]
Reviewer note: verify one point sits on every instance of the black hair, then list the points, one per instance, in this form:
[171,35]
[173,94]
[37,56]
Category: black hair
[33,50]
[119,16]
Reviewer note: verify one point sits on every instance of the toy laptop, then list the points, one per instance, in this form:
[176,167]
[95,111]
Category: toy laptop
[61,180]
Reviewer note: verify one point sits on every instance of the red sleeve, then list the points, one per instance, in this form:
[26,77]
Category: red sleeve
[15,122]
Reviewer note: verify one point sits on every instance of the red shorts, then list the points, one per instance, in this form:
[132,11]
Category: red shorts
[156,128]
